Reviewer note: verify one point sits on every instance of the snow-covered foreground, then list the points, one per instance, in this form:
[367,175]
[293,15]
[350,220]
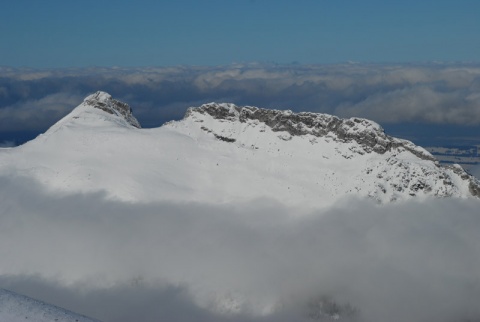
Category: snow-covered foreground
[15,308]
[209,219]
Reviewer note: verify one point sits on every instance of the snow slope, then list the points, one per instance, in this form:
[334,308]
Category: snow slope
[15,307]
[221,152]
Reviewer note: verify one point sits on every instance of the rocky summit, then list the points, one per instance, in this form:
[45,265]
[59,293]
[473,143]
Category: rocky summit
[367,136]
[105,102]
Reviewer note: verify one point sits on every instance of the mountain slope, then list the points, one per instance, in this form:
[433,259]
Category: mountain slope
[222,152]
[15,307]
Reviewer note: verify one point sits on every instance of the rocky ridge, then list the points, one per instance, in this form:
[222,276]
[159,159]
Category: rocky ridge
[106,103]
[369,135]
[223,152]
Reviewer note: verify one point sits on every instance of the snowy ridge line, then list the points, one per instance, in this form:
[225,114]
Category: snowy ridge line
[221,153]
[369,134]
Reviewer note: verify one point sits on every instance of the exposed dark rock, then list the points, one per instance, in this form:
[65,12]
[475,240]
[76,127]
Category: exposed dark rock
[105,102]
[474,187]
[224,138]
[368,134]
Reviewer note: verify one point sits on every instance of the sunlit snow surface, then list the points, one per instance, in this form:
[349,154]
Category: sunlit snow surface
[90,150]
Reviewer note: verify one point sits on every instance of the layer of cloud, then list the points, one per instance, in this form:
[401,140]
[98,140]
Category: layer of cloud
[431,93]
[7,144]
[37,114]
[475,170]
[254,261]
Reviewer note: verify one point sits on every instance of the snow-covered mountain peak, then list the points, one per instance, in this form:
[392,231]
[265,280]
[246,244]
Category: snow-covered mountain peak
[353,140]
[368,134]
[222,152]
[105,102]
[100,111]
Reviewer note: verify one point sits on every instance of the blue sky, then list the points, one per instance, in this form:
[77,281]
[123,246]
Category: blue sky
[404,40]
[59,33]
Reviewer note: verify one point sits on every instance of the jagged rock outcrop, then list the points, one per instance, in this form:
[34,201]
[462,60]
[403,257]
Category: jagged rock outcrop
[105,102]
[368,134]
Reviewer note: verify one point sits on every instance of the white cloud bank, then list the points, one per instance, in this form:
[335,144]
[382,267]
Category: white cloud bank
[38,114]
[430,93]
[240,262]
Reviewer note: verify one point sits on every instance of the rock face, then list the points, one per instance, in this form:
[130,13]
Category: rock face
[105,102]
[368,134]
[397,175]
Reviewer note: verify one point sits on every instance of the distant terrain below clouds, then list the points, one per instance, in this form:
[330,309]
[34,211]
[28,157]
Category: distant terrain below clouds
[420,102]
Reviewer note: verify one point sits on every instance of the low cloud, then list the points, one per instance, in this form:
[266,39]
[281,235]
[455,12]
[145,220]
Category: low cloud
[255,261]
[37,114]
[421,103]
[475,171]
[429,93]
[7,144]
